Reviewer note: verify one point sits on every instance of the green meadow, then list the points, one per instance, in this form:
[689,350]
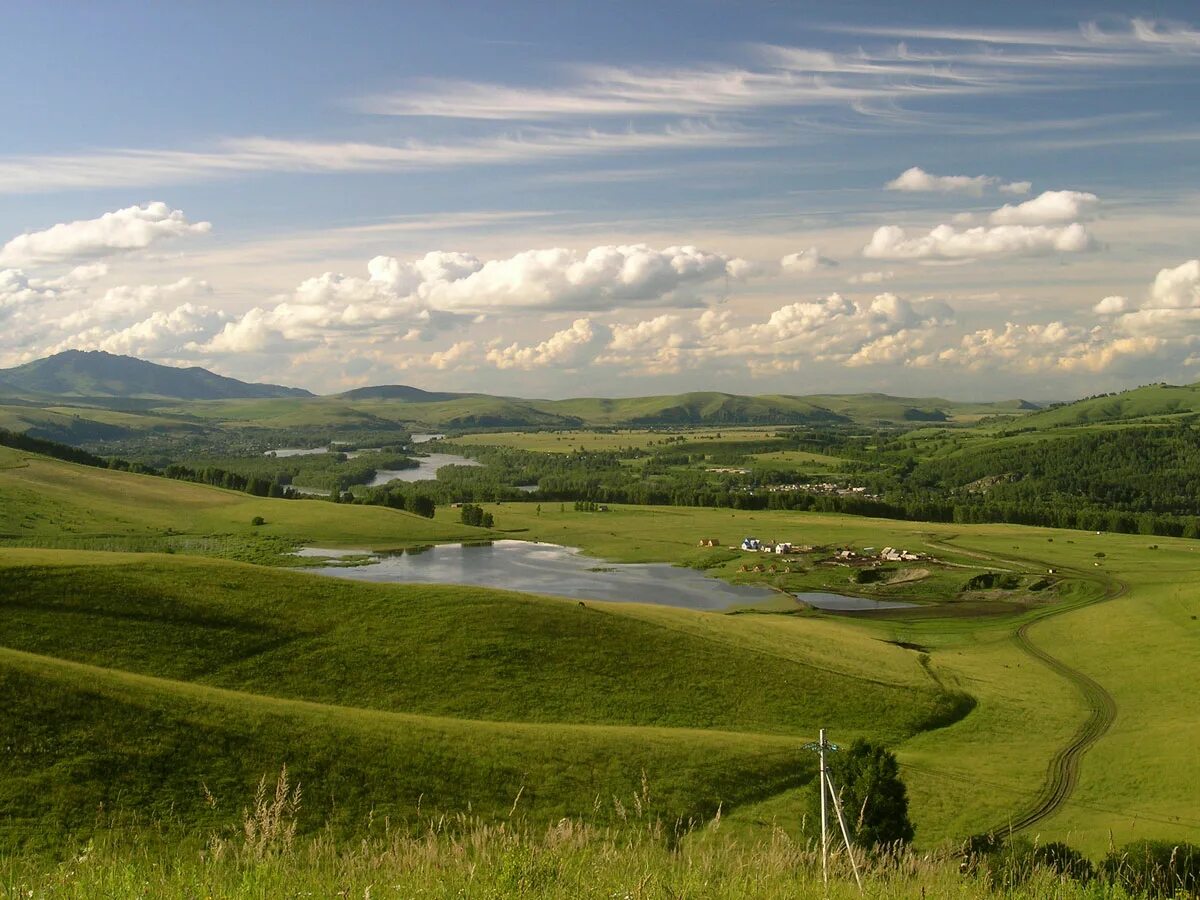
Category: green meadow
[157,688]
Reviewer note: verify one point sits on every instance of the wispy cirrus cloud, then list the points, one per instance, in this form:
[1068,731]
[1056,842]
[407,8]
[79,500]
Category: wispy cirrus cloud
[240,156]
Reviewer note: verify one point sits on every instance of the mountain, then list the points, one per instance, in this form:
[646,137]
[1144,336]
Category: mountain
[401,392]
[96,374]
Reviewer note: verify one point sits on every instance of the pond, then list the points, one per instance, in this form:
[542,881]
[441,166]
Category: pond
[424,438]
[842,603]
[426,469]
[551,569]
[285,452]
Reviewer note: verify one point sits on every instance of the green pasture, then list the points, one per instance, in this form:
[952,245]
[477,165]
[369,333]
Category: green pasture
[149,629]
[48,499]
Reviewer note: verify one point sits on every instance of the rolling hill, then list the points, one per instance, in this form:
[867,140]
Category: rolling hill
[96,374]
[98,379]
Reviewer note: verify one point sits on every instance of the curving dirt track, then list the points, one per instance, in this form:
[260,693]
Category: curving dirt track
[1063,770]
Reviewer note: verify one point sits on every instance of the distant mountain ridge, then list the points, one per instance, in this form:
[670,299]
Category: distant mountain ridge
[97,374]
[94,377]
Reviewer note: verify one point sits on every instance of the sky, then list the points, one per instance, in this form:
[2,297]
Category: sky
[976,201]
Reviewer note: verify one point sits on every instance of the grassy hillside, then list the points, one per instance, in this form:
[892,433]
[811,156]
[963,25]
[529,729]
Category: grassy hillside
[146,677]
[78,506]
[74,373]
[1151,402]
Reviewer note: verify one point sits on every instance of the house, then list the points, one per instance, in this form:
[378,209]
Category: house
[784,547]
[752,544]
[709,542]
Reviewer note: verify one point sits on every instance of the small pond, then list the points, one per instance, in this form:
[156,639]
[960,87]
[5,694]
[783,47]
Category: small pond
[426,469]
[551,569]
[842,603]
[285,452]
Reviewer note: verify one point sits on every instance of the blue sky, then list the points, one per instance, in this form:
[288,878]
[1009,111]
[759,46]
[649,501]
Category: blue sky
[607,198]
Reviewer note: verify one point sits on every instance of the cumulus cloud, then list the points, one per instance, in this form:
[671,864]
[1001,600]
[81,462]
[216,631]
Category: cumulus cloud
[567,349]
[1178,287]
[416,299]
[17,290]
[833,328]
[872,277]
[163,333]
[1040,348]
[1048,208]
[945,242]
[805,262]
[459,356]
[602,278]
[125,303]
[916,179]
[1111,306]
[121,231]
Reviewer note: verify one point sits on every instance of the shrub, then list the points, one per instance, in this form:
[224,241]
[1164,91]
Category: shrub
[1154,868]
[258,520]
[873,797]
[1006,865]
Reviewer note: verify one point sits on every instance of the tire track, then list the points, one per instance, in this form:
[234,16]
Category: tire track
[1062,773]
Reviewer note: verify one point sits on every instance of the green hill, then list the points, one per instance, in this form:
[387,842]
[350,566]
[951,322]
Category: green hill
[1150,402]
[151,679]
[75,373]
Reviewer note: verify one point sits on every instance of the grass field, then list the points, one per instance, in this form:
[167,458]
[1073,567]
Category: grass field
[570,440]
[146,673]
[81,506]
[152,679]
[978,771]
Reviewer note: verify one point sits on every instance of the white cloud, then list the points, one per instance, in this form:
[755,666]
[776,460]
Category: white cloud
[124,303]
[239,156]
[1048,208]
[872,277]
[602,278]
[950,243]
[1038,348]
[917,179]
[567,349]
[1177,287]
[805,262]
[163,333]
[121,231]
[459,356]
[1111,306]
[1016,187]
[18,290]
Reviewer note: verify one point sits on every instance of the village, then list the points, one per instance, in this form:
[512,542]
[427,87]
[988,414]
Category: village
[845,556]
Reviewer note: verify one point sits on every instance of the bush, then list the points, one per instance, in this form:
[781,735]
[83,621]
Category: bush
[1154,868]
[258,520]
[1007,865]
[873,797]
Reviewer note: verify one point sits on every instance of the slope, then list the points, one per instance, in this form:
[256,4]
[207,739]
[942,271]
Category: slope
[71,505]
[145,676]
[76,373]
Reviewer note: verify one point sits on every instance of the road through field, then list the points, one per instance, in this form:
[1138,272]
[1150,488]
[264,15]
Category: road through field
[1063,772]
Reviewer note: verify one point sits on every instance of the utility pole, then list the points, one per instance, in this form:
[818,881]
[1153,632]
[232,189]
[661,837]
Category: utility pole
[837,807]
[825,783]
[824,831]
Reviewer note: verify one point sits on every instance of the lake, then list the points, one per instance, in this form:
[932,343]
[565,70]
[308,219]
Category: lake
[425,471]
[551,569]
[841,603]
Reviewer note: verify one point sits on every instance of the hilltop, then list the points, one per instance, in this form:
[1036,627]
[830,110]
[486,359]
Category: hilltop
[97,374]
[84,380]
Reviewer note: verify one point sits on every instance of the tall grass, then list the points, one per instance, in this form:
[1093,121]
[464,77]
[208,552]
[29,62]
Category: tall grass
[458,856]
